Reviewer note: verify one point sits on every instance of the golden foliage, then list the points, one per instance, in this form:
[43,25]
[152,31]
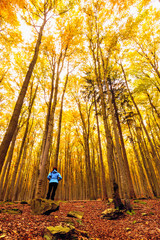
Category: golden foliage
[8,10]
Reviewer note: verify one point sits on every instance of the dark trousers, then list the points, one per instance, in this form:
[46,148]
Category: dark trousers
[52,188]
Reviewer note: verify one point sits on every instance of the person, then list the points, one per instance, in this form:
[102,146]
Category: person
[54,177]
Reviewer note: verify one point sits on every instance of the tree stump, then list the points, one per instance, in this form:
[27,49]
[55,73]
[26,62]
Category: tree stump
[117,201]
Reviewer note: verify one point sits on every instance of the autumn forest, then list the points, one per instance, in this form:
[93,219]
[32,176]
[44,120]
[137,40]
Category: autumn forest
[79,89]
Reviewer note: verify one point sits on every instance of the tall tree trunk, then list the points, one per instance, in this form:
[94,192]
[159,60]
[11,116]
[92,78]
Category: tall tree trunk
[17,110]
[129,181]
[104,196]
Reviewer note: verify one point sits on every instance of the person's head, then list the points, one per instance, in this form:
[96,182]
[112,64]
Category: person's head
[54,168]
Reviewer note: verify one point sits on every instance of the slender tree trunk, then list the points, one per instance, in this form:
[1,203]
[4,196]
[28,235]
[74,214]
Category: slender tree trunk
[60,123]
[100,150]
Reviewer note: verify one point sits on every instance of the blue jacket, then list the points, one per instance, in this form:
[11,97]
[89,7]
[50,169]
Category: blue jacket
[54,176]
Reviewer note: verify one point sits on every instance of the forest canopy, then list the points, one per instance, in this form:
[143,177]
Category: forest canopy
[79,89]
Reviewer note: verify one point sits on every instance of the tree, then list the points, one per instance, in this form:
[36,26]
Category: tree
[15,116]
[57,59]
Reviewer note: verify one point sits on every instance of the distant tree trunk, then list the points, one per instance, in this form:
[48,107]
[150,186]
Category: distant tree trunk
[154,155]
[17,110]
[93,167]
[86,133]
[146,190]
[148,164]
[81,171]
[66,174]
[99,177]
[17,170]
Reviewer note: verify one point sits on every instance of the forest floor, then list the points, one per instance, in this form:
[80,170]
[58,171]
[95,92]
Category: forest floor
[142,224]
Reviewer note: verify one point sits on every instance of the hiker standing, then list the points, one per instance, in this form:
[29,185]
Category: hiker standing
[54,177]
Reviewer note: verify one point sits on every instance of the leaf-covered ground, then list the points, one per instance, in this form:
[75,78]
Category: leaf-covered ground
[142,224]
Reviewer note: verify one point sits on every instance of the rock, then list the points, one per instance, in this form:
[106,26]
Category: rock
[111,213]
[43,206]
[75,214]
[59,232]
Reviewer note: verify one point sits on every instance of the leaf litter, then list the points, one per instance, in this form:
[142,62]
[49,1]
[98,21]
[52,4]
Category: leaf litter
[142,223]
